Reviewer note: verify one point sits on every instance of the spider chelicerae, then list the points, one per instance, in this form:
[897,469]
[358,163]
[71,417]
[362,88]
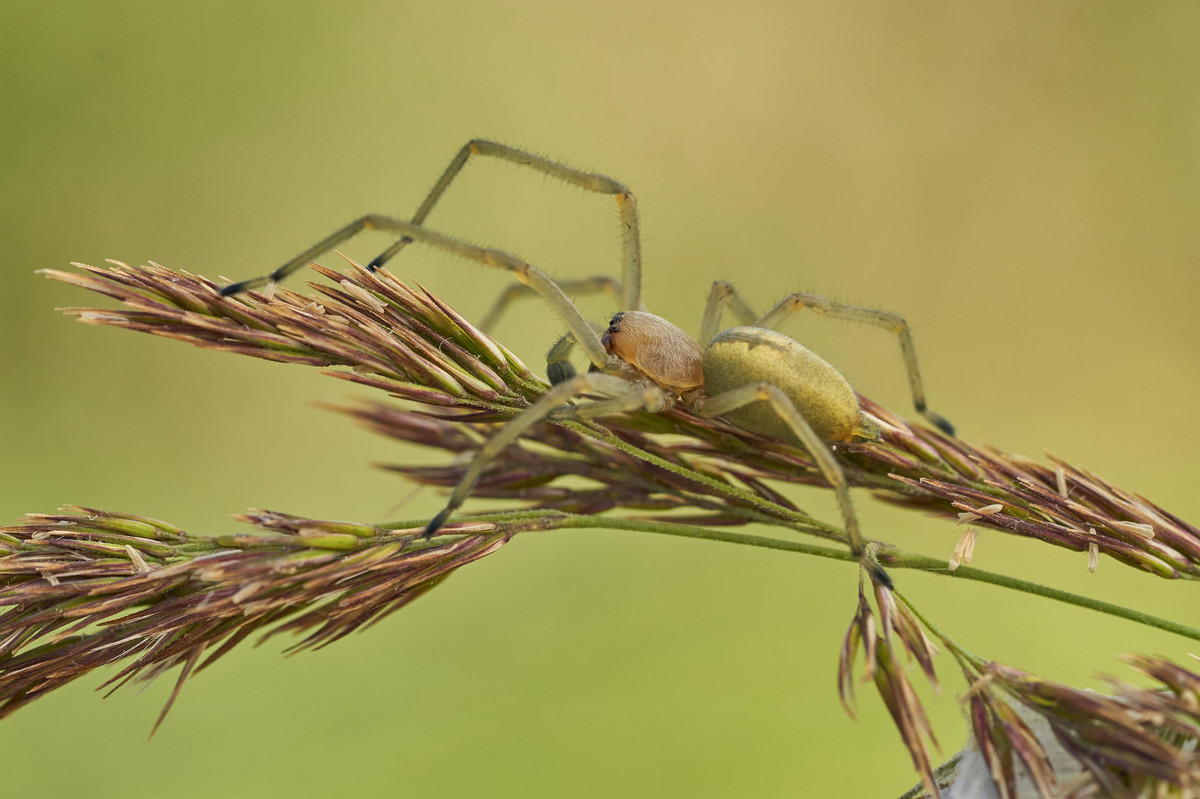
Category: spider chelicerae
[750,375]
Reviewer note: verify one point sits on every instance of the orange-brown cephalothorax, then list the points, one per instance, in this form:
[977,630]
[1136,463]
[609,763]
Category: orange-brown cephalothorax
[656,349]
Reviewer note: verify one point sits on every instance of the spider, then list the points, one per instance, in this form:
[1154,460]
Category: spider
[750,375]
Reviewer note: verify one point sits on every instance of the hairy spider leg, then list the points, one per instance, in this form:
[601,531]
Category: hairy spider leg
[834,310]
[558,368]
[762,391]
[599,284]
[323,246]
[536,279]
[872,316]
[631,284]
[722,294]
[626,397]
[589,181]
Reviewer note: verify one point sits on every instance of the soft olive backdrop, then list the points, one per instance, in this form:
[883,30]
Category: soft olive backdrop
[1021,181]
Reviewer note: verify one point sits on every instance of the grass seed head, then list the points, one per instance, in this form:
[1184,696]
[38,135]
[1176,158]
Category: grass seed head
[86,588]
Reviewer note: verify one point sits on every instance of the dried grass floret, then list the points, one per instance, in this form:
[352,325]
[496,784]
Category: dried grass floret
[85,588]
[374,330]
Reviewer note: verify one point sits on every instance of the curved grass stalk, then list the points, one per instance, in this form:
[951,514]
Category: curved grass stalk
[86,588]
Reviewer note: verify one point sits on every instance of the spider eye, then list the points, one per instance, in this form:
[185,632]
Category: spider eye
[607,338]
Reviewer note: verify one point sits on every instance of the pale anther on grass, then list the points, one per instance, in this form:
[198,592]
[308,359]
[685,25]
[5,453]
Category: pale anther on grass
[1137,528]
[980,684]
[1061,477]
[247,591]
[101,318]
[363,295]
[325,579]
[964,550]
[466,527]
[136,558]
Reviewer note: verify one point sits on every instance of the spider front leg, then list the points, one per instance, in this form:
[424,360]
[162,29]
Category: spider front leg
[589,181]
[627,396]
[630,286]
[597,284]
[723,294]
[323,246]
[587,338]
[785,409]
[558,364]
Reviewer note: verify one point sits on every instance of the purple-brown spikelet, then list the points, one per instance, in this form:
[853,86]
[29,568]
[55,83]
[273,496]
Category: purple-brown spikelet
[413,346]
[84,588]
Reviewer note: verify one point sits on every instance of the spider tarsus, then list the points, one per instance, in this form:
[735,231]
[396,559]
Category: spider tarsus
[878,575]
[269,281]
[435,524]
[941,423]
[235,288]
[376,263]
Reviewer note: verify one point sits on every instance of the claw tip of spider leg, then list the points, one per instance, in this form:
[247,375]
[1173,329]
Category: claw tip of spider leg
[943,425]
[247,285]
[878,575]
[435,524]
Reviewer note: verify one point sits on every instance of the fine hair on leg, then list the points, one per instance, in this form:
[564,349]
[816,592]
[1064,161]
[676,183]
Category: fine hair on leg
[558,365]
[323,246]
[721,295]
[597,284]
[724,294]
[631,283]
[589,181]
[822,455]
[587,338]
[626,396]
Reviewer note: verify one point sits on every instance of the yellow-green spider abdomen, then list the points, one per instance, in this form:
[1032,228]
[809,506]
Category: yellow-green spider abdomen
[744,355]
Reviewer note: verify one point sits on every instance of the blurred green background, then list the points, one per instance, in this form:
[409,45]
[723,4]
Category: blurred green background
[1020,181]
